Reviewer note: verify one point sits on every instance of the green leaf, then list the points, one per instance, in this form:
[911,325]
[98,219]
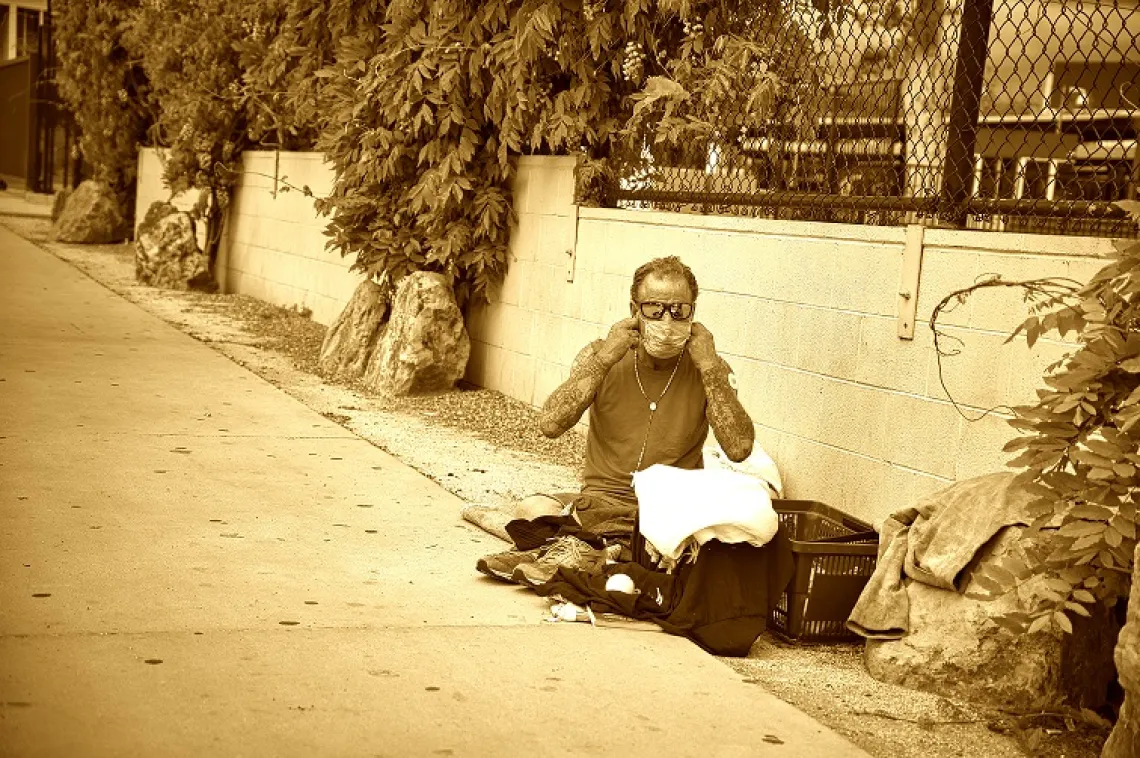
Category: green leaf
[1078,609]
[1039,624]
[1062,621]
[1084,596]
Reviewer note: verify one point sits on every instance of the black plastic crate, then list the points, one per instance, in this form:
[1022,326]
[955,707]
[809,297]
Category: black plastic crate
[835,555]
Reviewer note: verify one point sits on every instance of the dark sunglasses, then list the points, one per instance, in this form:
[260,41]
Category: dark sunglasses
[655,311]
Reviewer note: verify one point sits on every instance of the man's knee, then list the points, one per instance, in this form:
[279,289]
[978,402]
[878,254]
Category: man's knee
[537,505]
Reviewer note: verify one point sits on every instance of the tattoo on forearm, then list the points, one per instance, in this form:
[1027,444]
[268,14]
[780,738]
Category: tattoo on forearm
[569,401]
[727,417]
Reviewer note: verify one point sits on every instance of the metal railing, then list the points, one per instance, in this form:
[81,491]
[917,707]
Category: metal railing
[1018,115]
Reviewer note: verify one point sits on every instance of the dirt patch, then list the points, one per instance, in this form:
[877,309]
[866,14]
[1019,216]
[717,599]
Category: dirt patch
[485,447]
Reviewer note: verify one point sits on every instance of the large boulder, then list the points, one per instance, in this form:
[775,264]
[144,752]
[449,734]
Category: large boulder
[425,346]
[954,648]
[92,215]
[167,254]
[351,341]
[1124,742]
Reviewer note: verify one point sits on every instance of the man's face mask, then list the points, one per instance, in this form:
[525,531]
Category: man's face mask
[666,338]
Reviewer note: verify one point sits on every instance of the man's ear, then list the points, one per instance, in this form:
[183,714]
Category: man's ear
[632,309]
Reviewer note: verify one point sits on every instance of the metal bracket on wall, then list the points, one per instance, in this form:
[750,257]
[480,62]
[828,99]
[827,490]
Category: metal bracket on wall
[911,274]
[572,252]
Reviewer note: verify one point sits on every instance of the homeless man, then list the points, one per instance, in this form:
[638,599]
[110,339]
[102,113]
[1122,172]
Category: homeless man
[653,387]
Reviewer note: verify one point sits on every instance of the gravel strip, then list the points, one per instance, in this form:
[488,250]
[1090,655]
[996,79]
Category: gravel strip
[485,448]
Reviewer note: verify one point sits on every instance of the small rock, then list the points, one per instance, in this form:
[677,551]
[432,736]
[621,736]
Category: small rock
[91,215]
[1124,742]
[167,254]
[425,346]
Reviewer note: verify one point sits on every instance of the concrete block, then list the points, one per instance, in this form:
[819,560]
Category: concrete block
[944,272]
[547,377]
[828,341]
[517,329]
[510,291]
[806,272]
[923,435]
[863,277]
[563,190]
[550,188]
[616,297]
[768,440]
[883,360]
[547,335]
[877,489]
[722,314]
[771,330]
[733,262]
[556,241]
[524,237]
[978,376]
[760,387]
[817,472]
[518,376]
[846,415]
[590,250]
[567,296]
[492,367]
[982,443]
[541,291]
[1002,309]
[624,249]
[520,188]
[1027,368]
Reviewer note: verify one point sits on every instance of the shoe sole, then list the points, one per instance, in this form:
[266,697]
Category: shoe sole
[482,567]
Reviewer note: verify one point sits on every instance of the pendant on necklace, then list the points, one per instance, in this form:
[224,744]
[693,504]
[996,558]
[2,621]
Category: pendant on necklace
[652,407]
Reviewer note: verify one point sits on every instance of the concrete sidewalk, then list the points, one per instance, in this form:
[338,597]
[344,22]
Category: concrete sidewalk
[194,563]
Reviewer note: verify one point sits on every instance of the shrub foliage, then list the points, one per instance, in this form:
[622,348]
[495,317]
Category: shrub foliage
[104,87]
[1080,451]
[421,105]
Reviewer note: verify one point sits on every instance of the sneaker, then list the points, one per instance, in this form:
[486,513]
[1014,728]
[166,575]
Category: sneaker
[500,565]
[564,551]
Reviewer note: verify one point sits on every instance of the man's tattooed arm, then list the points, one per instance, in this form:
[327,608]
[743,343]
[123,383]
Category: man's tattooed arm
[727,417]
[569,401]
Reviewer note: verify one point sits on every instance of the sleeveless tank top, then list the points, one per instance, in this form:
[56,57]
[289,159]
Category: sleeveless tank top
[620,419]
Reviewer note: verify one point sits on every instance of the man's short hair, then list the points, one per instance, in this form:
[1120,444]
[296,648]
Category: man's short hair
[668,266]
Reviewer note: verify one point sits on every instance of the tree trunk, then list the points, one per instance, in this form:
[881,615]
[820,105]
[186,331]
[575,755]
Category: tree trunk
[352,339]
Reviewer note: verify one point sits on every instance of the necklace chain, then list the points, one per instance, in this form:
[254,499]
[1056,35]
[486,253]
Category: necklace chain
[652,403]
[637,374]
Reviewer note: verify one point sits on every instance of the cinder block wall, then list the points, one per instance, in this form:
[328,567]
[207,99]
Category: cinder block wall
[806,315]
[275,243]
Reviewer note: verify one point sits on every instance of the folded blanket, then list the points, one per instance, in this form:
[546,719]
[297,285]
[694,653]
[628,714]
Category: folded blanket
[933,543]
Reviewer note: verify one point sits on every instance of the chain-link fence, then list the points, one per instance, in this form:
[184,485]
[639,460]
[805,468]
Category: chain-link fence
[1017,115]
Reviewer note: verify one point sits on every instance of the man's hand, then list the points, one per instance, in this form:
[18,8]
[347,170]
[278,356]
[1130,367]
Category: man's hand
[622,338]
[702,349]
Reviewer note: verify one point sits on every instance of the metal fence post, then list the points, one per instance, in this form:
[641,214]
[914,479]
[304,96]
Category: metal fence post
[958,170]
[32,165]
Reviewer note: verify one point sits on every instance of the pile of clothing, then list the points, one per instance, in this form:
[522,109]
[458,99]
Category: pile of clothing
[717,561]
